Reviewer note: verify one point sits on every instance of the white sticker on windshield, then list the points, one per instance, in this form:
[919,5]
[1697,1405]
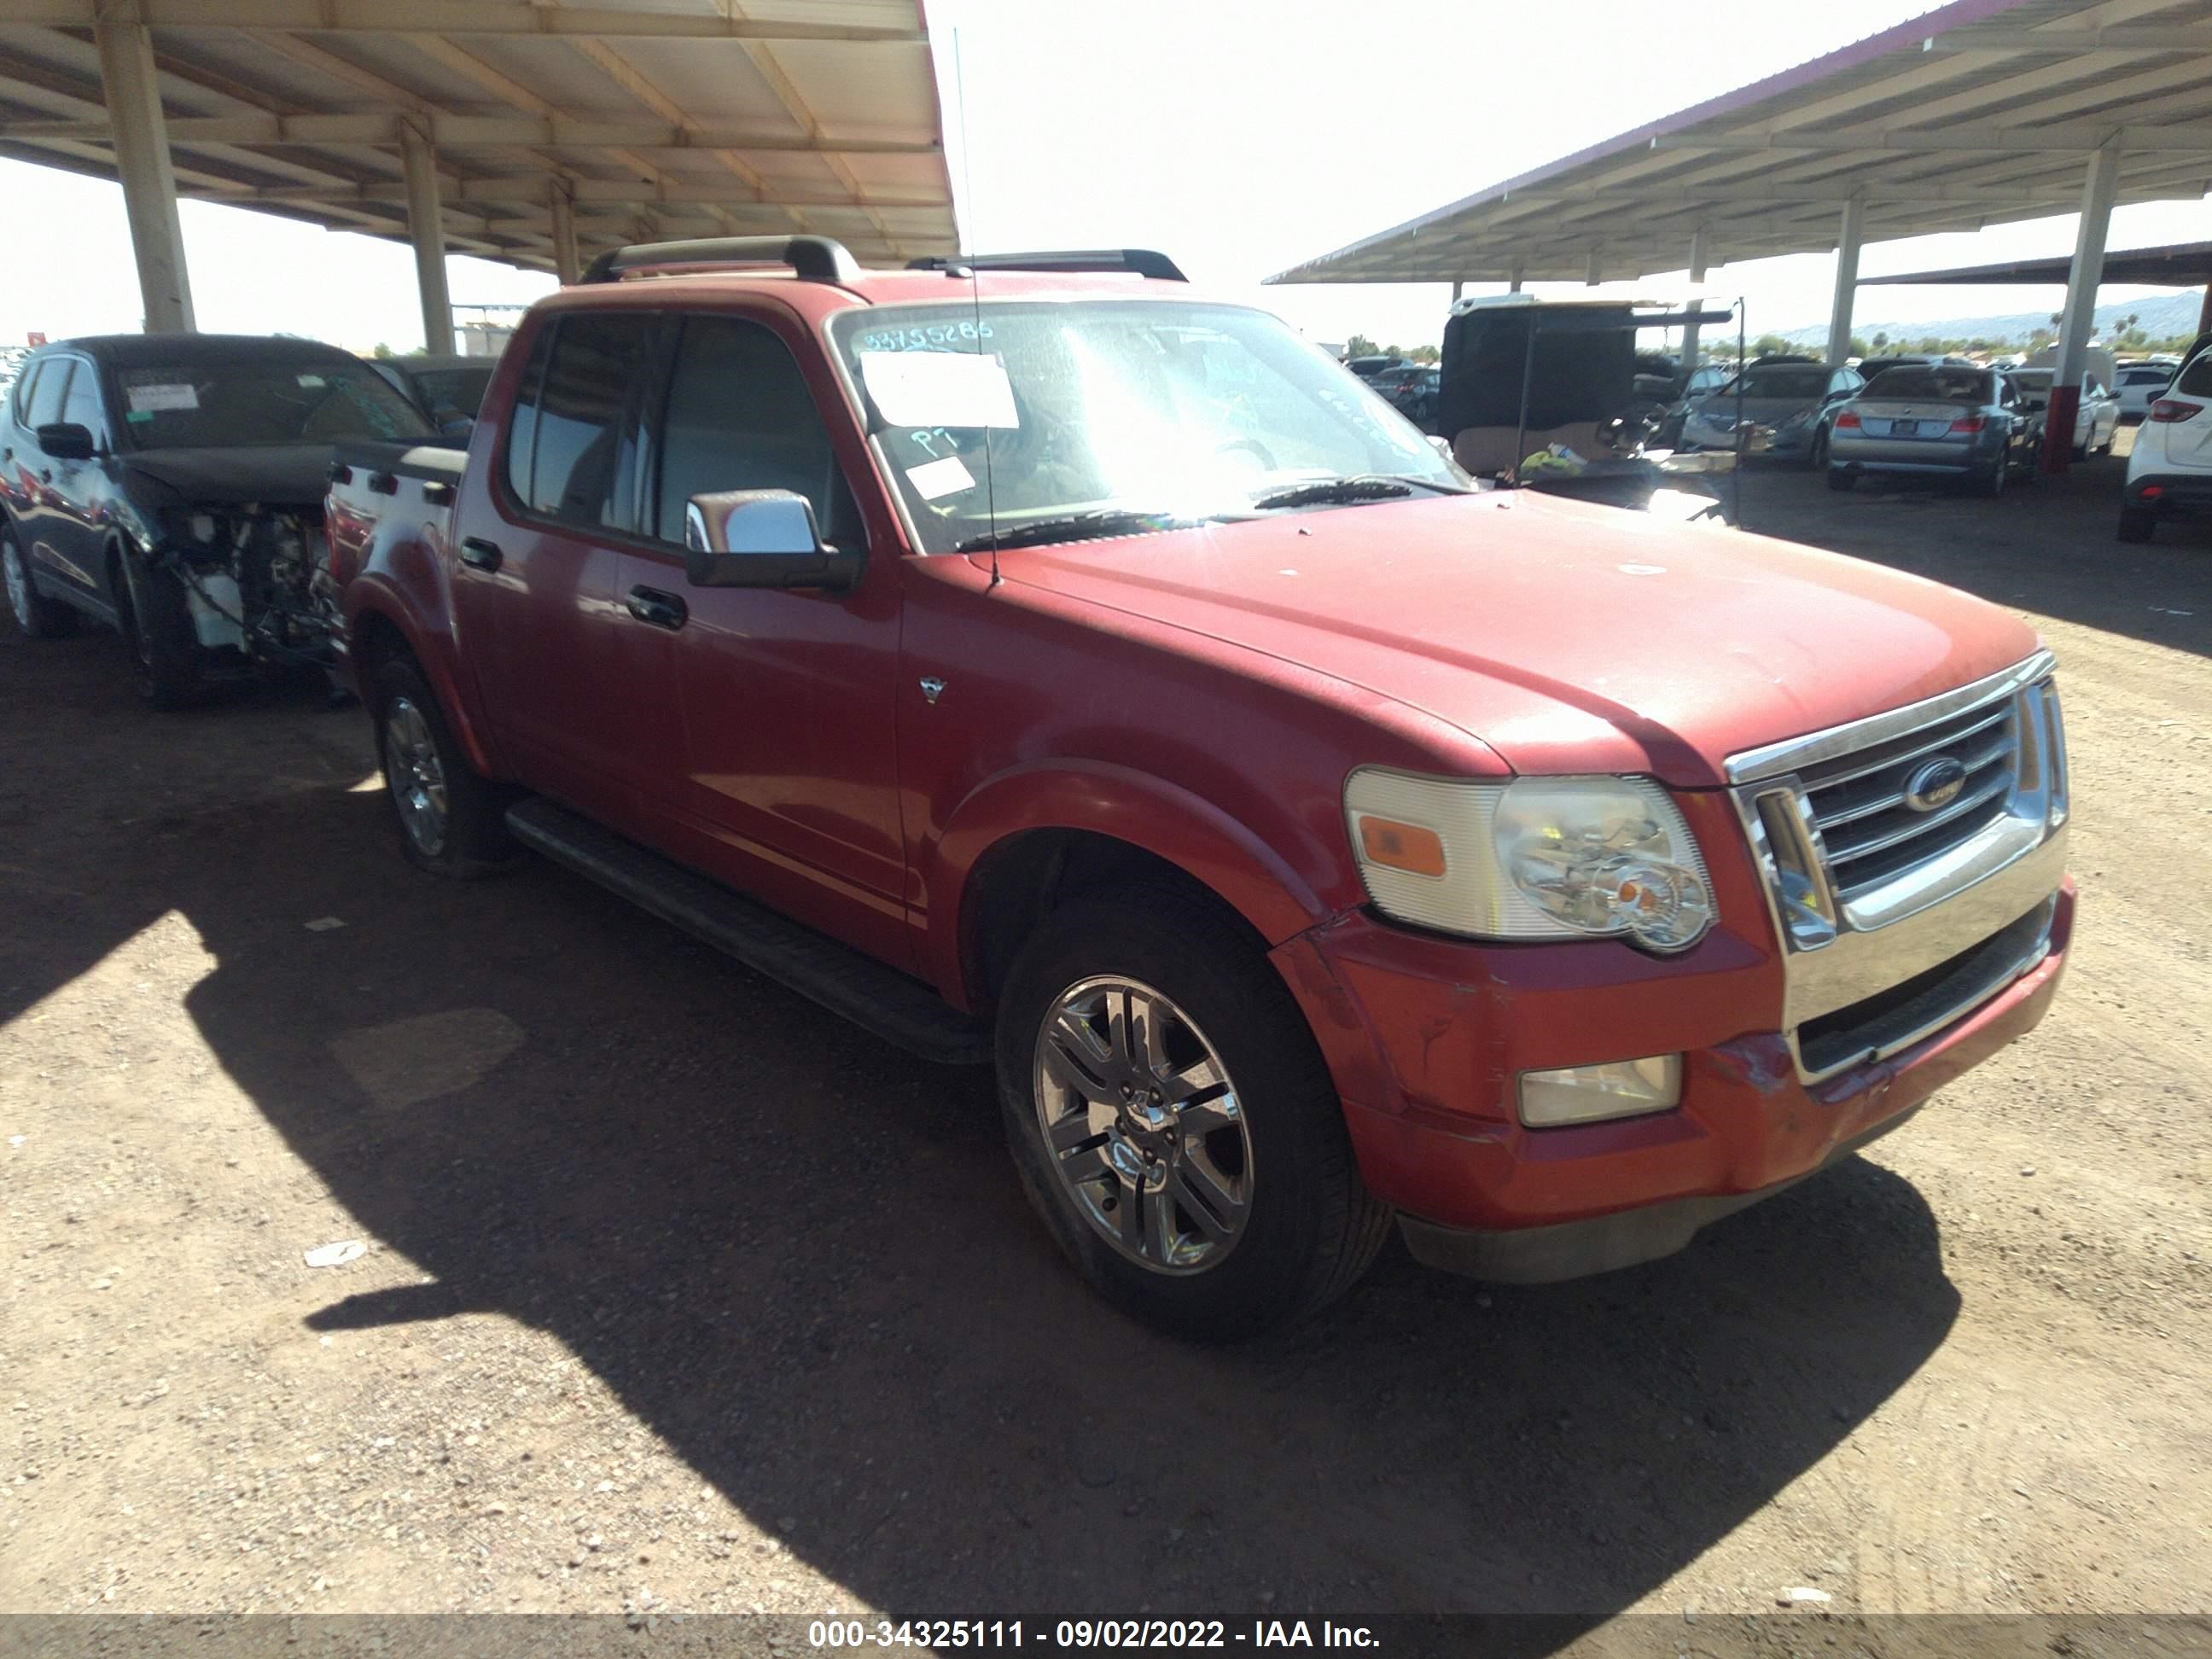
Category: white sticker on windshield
[146,399]
[939,388]
[311,379]
[945,477]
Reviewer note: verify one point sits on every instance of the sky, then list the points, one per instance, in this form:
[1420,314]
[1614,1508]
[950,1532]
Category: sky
[1240,137]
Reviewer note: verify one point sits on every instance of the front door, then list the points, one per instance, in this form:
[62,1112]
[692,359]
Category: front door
[790,755]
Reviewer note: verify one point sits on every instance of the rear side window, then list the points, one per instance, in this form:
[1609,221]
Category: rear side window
[47,395]
[25,384]
[2196,381]
[579,439]
[740,417]
[522,425]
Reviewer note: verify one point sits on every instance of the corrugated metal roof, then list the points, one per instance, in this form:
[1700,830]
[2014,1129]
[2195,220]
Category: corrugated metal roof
[2178,264]
[661,118]
[1976,113]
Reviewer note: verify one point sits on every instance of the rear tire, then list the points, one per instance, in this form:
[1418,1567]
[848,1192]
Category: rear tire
[451,819]
[157,625]
[1120,1184]
[1841,478]
[2137,523]
[1992,483]
[38,617]
[1817,457]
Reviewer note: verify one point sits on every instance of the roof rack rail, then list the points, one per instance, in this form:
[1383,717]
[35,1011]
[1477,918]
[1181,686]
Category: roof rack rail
[1141,261]
[815,258]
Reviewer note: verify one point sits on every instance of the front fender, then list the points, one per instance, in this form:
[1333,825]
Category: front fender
[1159,818]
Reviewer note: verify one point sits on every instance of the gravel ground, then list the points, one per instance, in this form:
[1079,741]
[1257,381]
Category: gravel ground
[679,1295]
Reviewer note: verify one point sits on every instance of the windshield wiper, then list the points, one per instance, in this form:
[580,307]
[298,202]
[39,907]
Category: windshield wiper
[1365,486]
[1076,527]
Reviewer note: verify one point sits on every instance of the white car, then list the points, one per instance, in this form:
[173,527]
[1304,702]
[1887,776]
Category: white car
[2096,423]
[2140,384]
[2170,469]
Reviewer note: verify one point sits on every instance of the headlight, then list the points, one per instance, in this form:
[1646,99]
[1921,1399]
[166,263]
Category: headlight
[1538,857]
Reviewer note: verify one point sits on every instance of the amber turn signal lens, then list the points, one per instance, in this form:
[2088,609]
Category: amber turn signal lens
[1402,845]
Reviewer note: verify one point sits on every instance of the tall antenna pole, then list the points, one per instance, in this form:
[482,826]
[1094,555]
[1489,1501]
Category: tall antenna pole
[967,180]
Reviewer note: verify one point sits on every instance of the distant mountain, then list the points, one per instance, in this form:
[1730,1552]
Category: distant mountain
[2167,313]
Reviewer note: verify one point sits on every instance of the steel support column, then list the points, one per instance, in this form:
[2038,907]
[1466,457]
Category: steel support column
[565,264]
[2076,321]
[1456,287]
[426,229]
[1696,300]
[1515,287]
[1848,237]
[142,162]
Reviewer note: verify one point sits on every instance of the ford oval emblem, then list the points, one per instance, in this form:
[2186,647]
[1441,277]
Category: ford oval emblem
[1936,784]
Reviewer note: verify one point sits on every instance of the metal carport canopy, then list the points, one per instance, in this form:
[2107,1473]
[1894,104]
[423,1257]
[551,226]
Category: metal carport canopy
[536,134]
[1978,112]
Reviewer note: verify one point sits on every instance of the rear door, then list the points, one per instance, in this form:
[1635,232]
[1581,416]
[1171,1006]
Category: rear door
[534,576]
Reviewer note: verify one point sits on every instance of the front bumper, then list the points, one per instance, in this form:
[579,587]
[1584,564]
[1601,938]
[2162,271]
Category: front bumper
[1427,1036]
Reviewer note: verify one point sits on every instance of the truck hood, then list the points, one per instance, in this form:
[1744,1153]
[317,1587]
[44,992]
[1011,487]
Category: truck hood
[1565,636]
[281,475]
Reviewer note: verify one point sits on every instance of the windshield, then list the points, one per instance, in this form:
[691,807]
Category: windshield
[454,391]
[1793,383]
[1179,411]
[1950,385]
[213,405]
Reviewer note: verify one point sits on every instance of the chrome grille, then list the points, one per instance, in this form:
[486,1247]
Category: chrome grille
[1870,889]
[1870,832]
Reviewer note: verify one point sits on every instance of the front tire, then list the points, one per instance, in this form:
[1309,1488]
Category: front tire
[38,617]
[157,625]
[1992,483]
[1841,478]
[451,819]
[2137,523]
[1172,1119]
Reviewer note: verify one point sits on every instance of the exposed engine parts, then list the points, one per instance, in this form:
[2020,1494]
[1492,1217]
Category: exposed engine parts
[256,582]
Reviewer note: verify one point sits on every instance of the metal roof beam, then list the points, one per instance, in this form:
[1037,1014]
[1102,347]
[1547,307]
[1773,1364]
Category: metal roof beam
[2163,38]
[2082,138]
[466,131]
[457,17]
[540,190]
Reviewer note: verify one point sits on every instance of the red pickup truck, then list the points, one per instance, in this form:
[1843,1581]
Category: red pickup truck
[1038,662]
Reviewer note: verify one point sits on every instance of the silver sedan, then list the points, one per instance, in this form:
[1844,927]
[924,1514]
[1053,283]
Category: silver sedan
[1942,420]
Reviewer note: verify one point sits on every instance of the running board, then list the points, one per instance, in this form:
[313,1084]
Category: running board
[900,1010]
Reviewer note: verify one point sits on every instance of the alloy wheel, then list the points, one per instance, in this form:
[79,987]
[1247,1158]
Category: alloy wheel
[415,776]
[1142,1125]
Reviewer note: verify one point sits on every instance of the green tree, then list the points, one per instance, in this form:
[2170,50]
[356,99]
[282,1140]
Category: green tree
[1768,345]
[382,350]
[1859,348]
[1360,346]
[1880,340]
[1425,354]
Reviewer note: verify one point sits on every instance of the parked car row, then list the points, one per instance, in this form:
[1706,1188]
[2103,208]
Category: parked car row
[2170,467]
[1115,692]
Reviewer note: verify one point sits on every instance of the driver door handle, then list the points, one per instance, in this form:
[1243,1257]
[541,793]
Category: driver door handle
[650,605]
[479,554]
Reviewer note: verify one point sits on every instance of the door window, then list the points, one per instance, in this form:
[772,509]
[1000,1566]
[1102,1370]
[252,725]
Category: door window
[46,397]
[578,440]
[83,408]
[740,417]
[25,389]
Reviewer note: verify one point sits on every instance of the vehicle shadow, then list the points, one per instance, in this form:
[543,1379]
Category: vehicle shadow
[799,1260]
[2048,548]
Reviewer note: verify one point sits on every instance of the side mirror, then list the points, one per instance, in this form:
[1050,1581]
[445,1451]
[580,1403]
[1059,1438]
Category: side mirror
[762,539]
[66,441]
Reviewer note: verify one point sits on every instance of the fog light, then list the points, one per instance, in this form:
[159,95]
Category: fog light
[1593,1094]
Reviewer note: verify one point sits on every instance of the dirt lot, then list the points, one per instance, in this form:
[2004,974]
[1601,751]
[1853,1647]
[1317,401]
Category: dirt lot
[680,1293]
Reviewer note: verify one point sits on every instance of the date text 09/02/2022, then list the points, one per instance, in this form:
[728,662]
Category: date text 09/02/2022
[940,1634]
